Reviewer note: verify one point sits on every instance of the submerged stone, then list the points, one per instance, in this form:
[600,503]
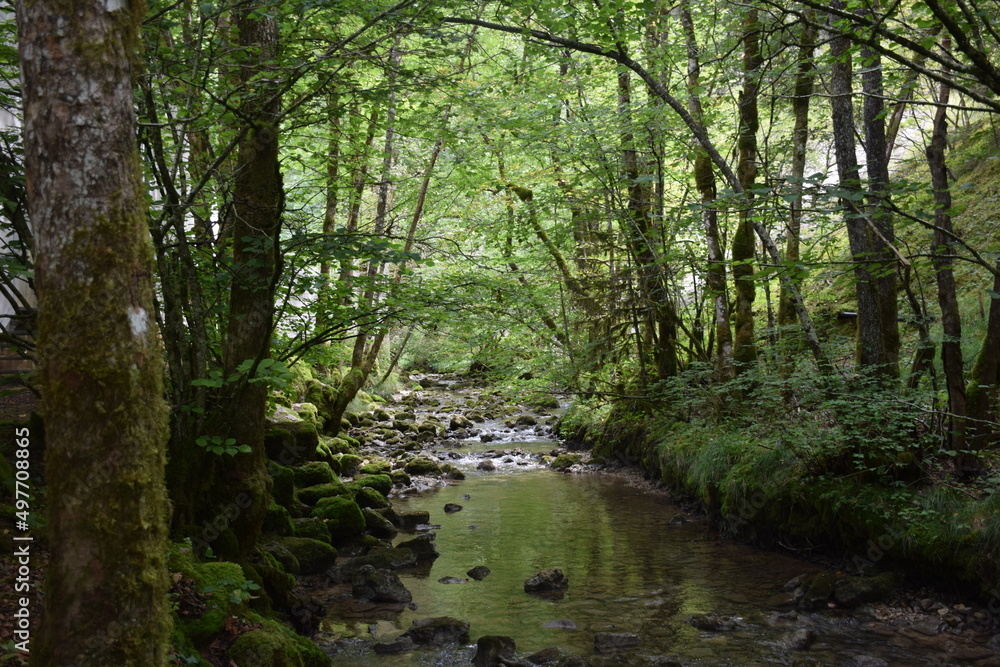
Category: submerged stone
[552,579]
[614,642]
[438,631]
[479,572]
[371,585]
[494,651]
[714,622]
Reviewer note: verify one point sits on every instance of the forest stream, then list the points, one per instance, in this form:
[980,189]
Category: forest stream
[638,567]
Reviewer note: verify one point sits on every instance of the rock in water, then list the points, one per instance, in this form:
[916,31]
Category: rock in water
[614,642]
[493,650]
[452,580]
[371,585]
[714,622]
[438,631]
[487,465]
[422,546]
[552,579]
[479,572]
[396,646]
[800,639]
[451,508]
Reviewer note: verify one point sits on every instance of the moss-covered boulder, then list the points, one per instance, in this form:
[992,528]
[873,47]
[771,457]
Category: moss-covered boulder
[288,443]
[277,520]
[563,462]
[288,561]
[378,525]
[274,645]
[400,477]
[214,587]
[313,473]
[381,483]
[314,556]
[350,464]
[376,468]
[313,494]
[308,412]
[283,487]
[273,577]
[369,497]
[311,527]
[422,466]
[343,517]
[451,471]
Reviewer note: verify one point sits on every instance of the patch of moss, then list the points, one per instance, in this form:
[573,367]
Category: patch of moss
[376,468]
[422,466]
[381,483]
[564,461]
[350,464]
[313,556]
[313,494]
[312,473]
[283,487]
[274,645]
[312,527]
[219,581]
[369,497]
[277,520]
[343,517]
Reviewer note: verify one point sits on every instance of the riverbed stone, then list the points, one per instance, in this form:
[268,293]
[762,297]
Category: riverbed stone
[551,579]
[422,546]
[456,422]
[851,591]
[378,525]
[493,651]
[819,590]
[400,645]
[371,585]
[367,497]
[438,631]
[422,466]
[408,521]
[487,465]
[547,656]
[313,494]
[380,558]
[451,508]
[714,622]
[479,572]
[615,642]
[311,527]
[800,639]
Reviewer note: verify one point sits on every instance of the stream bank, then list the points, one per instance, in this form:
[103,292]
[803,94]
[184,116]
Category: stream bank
[451,439]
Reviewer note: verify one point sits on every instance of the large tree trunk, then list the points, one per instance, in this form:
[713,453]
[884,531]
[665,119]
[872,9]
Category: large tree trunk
[257,206]
[98,347]
[745,341]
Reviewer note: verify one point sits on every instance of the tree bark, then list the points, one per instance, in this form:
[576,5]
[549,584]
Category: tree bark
[258,199]
[704,178]
[745,340]
[943,257]
[98,346]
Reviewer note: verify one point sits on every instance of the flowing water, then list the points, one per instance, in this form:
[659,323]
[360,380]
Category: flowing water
[632,566]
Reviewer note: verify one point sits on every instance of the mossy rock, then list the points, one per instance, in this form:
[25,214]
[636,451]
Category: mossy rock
[400,477]
[376,468]
[275,580]
[543,402]
[378,525]
[380,415]
[422,466]
[564,461]
[281,554]
[309,413]
[274,645]
[217,580]
[288,443]
[314,556]
[283,486]
[381,483]
[343,517]
[311,495]
[352,418]
[313,473]
[369,497]
[311,527]
[451,471]
[350,464]
[277,520]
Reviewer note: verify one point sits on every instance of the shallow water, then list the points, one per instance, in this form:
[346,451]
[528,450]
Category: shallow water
[630,569]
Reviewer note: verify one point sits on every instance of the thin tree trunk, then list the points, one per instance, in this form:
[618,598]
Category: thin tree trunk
[99,353]
[704,177]
[745,340]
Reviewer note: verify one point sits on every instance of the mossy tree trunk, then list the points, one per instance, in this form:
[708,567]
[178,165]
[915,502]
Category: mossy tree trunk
[745,342]
[258,198]
[99,352]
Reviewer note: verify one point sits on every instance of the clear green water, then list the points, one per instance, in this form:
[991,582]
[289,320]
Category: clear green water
[629,570]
